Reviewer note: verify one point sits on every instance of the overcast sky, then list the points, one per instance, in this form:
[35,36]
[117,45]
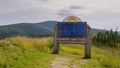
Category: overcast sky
[103,14]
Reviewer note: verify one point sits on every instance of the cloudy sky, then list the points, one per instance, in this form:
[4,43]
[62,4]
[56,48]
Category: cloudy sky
[103,14]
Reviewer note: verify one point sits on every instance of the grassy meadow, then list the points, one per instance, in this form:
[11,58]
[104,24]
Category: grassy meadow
[102,57]
[23,52]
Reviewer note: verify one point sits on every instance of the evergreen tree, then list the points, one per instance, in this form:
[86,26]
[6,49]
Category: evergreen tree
[109,38]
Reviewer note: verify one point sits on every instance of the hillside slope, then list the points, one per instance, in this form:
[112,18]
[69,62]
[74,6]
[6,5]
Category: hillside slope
[32,29]
[28,29]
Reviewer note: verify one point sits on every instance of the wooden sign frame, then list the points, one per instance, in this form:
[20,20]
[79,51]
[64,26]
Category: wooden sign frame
[73,40]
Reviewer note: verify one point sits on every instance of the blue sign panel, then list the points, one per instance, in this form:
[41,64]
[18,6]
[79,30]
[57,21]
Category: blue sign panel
[72,29]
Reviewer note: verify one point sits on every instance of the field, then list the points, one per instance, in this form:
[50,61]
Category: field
[23,52]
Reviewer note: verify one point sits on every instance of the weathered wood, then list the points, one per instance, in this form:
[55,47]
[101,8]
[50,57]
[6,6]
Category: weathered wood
[58,39]
[56,45]
[56,48]
[88,45]
[73,39]
[71,42]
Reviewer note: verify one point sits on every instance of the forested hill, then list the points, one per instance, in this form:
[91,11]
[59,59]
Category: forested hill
[32,29]
[28,29]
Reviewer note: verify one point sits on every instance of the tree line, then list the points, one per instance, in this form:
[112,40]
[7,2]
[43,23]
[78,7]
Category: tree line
[106,38]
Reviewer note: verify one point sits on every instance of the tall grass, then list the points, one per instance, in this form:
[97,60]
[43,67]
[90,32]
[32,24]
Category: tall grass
[26,53]
[35,53]
[41,44]
[108,57]
[72,49]
[102,57]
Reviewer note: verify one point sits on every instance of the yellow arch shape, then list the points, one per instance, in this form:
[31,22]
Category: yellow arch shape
[71,19]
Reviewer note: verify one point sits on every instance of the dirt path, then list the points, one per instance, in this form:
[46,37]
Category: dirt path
[62,62]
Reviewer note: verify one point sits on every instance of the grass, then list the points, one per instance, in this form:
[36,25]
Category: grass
[102,57]
[26,53]
[35,53]
[108,57]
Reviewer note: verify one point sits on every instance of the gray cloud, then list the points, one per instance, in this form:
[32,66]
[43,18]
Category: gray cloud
[76,7]
[45,0]
[28,15]
[97,13]
[104,19]
[9,6]
[104,15]
[64,12]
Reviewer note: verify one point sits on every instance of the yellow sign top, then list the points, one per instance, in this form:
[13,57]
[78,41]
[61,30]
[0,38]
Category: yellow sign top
[73,19]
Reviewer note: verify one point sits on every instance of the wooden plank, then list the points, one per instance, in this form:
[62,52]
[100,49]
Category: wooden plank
[71,42]
[71,39]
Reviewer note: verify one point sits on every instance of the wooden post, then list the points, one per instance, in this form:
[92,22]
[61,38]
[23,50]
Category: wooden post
[89,42]
[56,45]
[56,48]
[88,45]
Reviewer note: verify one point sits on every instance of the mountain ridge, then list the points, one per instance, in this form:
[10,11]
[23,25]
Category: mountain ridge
[33,29]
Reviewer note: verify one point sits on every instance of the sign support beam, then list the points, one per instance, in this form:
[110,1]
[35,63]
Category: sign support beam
[88,45]
[56,45]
